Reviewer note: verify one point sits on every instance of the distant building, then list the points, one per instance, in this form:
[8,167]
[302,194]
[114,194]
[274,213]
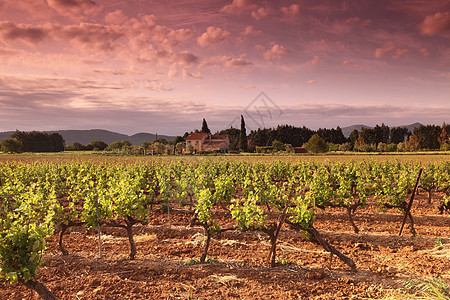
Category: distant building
[300,150]
[205,142]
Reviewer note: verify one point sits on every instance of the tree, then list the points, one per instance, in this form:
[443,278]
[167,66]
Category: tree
[354,136]
[428,136]
[334,136]
[180,147]
[243,144]
[146,145]
[40,141]
[76,147]
[120,145]
[161,140]
[11,146]
[96,145]
[261,137]
[287,134]
[391,147]
[159,147]
[398,134]
[444,136]
[360,143]
[338,136]
[382,147]
[413,143]
[401,147]
[382,134]
[57,143]
[289,148]
[233,135]
[345,147]
[179,139]
[169,149]
[205,128]
[278,146]
[316,144]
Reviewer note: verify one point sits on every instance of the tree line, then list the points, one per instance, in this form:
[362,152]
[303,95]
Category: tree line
[379,138]
[34,141]
[282,138]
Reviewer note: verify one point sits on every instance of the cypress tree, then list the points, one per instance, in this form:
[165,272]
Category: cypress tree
[243,136]
[205,128]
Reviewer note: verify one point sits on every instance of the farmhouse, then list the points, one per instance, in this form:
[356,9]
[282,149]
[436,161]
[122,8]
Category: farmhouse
[207,142]
[300,150]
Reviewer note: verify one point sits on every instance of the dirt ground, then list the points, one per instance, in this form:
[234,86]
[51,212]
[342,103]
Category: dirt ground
[238,269]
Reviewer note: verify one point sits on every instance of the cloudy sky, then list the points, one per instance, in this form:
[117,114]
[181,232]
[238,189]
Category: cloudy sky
[161,66]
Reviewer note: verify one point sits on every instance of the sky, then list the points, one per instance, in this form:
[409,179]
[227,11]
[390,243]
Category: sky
[162,66]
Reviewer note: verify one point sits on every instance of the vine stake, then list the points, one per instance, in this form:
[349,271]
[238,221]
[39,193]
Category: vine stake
[99,233]
[408,209]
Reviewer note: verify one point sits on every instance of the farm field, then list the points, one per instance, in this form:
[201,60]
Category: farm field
[169,245]
[423,157]
[383,261]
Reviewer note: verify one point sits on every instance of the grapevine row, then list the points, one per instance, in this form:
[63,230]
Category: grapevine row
[36,198]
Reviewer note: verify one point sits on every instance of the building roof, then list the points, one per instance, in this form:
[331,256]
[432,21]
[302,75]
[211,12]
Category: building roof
[220,137]
[196,136]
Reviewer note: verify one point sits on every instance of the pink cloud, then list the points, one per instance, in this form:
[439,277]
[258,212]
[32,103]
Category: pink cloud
[186,58]
[352,21]
[134,34]
[291,11]
[180,61]
[213,35]
[73,8]
[434,24]
[357,21]
[399,53]
[7,52]
[153,55]
[227,62]
[238,6]
[145,30]
[250,31]
[385,49]
[237,62]
[315,60]
[26,33]
[90,36]
[276,52]
[424,52]
[260,13]
[312,81]
[32,6]
[116,17]
[168,37]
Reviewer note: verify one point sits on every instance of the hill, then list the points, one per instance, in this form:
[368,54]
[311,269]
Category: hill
[348,130]
[84,137]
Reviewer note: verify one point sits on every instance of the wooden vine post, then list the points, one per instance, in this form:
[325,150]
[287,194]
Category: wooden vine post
[408,209]
[99,232]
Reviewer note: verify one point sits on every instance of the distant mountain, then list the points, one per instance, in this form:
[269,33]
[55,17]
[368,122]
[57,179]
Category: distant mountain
[6,135]
[348,130]
[84,137]
[412,126]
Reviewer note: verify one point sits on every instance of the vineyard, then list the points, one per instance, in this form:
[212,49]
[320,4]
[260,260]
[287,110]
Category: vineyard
[224,229]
